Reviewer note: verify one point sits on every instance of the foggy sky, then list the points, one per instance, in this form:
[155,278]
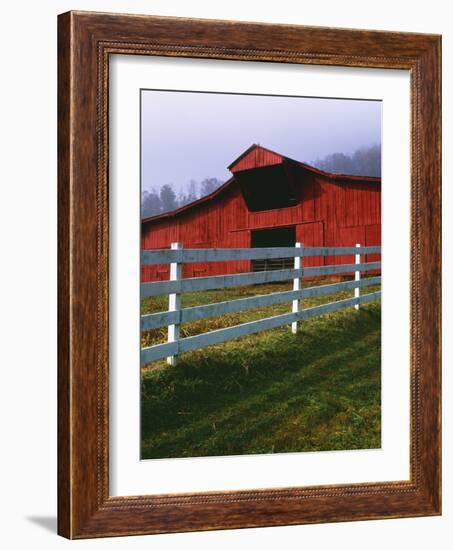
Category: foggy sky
[189,135]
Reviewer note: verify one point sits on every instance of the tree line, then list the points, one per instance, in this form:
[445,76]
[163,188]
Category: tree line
[164,199]
[365,161]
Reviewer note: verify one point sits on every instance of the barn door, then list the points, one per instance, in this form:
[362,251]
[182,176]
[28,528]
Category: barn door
[269,238]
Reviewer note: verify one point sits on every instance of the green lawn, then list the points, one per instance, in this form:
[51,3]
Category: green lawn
[270,392]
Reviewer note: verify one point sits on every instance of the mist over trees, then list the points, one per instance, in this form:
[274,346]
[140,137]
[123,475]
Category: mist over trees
[168,198]
[164,199]
[366,161]
[151,203]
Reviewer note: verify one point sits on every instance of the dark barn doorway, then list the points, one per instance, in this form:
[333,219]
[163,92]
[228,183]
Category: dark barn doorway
[270,238]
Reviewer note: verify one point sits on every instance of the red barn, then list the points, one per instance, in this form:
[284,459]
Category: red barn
[270,200]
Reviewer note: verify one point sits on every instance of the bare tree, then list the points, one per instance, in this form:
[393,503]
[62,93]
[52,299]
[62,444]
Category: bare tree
[192,193]
[189,195]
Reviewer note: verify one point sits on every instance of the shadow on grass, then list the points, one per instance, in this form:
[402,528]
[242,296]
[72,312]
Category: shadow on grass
[270,392]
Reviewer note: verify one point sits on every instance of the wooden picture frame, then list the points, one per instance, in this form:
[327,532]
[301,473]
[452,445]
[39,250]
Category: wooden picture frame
[85,42]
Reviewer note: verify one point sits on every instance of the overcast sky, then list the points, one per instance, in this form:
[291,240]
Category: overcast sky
[190,135]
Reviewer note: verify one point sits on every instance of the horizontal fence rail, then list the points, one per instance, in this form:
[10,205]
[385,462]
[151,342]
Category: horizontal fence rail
[216,282]
[189,314]
[195,255]
[159,351]
[176,286]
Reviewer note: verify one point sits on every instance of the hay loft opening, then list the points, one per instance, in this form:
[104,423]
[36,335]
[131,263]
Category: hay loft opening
[266,188]
[263,178]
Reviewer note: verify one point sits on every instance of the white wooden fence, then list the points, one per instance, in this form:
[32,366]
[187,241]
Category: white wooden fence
[177,256]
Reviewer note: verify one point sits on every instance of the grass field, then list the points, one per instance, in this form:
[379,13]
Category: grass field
[270,392]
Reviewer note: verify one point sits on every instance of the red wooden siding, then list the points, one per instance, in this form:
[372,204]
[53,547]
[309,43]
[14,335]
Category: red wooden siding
[311,234]
[255,157]
[330,211]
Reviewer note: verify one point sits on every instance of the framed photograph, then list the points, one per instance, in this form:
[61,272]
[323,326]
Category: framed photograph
[249,275]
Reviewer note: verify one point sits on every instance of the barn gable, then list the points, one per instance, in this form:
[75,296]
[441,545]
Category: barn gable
[270,200]
[267,181]
[255,157]
[263,178]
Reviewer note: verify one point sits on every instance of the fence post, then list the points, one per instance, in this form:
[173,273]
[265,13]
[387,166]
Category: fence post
[174,302]
[357,278]
[296,286]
